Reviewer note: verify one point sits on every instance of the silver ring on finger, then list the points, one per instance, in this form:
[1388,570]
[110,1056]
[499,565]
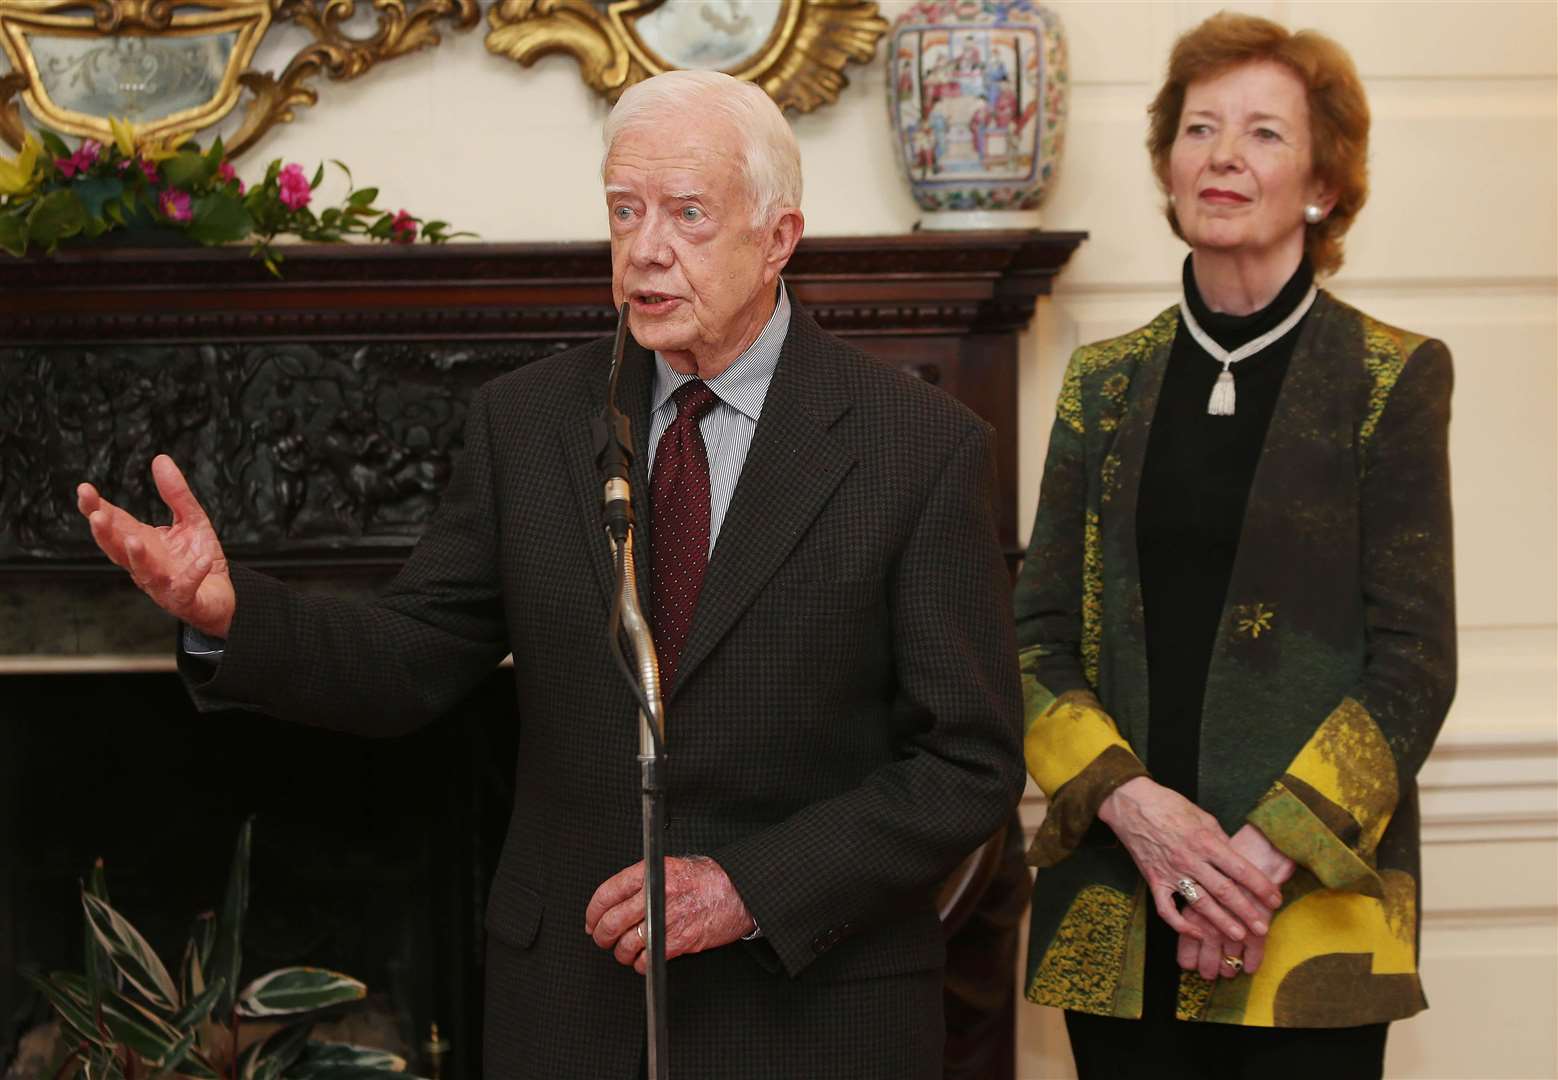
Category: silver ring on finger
[1189,889]
[1233,963]
[640,929]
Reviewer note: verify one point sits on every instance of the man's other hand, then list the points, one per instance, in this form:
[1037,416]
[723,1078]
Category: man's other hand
[180,566]
[702,911]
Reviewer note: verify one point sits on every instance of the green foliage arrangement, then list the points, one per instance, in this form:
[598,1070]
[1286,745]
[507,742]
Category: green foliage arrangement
[50,193]
[128,1018]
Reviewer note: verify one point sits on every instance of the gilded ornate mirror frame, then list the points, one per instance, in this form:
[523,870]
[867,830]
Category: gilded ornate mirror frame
[800,64]
[402,26]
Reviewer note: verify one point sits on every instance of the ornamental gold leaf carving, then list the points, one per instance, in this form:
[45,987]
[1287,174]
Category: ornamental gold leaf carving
[401,29]
[208,44]
[11,129]
[795,50]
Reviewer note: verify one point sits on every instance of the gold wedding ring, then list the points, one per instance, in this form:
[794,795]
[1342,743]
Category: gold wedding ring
[1233,963]
[640,929]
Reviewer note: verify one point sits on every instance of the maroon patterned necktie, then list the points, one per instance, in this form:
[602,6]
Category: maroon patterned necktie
[679,516]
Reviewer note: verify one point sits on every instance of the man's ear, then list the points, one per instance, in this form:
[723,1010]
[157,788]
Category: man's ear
[781,236]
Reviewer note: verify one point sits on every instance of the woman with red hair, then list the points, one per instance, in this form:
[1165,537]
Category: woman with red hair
[1236,616]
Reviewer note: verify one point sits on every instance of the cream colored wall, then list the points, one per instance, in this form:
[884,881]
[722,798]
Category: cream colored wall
[1460,240]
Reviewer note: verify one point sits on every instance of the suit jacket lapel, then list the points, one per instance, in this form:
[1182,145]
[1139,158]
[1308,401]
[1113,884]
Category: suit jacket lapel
[633,392]
[792,468]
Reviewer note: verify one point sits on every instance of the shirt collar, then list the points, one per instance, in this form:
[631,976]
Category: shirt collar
[744,384]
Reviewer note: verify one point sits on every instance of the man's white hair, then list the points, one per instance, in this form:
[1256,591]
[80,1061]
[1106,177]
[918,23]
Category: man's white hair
[770,156]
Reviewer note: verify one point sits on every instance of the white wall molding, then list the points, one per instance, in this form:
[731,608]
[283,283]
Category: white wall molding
[1469,289]
[86,665]
[1476,788]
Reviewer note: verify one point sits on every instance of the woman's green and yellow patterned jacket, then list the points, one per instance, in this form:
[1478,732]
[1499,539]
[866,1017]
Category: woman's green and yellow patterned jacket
[1333,670]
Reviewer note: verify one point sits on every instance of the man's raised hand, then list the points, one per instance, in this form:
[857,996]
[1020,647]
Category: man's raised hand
[180,566]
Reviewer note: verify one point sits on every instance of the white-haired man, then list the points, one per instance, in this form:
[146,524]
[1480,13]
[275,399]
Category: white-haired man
[828,603]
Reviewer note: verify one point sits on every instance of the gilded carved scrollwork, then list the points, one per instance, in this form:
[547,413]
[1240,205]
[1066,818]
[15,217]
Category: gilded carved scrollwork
[794,49]
[401,30]
[110,18]
[11,129]
[192,59]
[526,30]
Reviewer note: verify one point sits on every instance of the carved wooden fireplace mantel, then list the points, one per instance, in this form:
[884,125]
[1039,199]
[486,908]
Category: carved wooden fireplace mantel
[318,414]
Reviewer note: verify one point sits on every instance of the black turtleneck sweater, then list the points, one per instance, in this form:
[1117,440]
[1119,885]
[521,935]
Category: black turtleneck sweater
[1195,481]
[1194,485]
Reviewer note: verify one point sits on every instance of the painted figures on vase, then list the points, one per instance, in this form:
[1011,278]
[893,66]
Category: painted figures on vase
[977,97]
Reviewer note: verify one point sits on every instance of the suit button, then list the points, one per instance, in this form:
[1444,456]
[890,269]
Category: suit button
[820,944]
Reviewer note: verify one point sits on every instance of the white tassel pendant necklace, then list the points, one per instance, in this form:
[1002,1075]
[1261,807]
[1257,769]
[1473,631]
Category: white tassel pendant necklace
[1223,399]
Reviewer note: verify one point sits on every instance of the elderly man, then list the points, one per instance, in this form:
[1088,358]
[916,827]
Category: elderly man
[829,606]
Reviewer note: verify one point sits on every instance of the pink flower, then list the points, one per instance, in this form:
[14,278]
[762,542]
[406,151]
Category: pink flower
[225,173]
[403,228]
[174,205]
[295,191]
[147,167]
[84,158]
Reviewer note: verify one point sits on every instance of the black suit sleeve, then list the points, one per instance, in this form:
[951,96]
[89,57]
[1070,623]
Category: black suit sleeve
[830,869]
[380,668]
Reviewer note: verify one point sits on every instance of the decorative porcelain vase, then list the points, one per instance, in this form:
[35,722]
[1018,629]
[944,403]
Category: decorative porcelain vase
[976,95]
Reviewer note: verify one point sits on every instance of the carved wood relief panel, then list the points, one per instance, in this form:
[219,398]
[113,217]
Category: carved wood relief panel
[319,416]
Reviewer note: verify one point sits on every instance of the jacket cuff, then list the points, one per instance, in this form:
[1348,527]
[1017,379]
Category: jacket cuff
[248,659]
[1302,835]
[1346,775]
[1074,808]
[1066,736]
[779,948]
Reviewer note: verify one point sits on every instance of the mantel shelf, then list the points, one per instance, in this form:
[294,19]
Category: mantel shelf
[917,283]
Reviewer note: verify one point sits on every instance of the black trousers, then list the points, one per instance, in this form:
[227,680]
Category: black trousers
[1107,1048]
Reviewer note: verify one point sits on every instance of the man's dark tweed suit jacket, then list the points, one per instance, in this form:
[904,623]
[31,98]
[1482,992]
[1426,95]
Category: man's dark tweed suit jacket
[843,731]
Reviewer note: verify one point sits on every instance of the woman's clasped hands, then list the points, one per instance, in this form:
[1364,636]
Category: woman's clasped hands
[1236,881]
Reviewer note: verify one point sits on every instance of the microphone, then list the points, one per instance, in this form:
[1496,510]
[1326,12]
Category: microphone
[612,434]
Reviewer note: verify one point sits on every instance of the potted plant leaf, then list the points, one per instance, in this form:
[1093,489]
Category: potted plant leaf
[127,1017]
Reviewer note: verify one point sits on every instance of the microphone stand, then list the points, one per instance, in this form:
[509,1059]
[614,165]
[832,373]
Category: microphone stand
[613,439]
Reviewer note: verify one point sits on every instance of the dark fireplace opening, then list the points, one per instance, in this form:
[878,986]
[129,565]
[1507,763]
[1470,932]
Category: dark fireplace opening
[370,857]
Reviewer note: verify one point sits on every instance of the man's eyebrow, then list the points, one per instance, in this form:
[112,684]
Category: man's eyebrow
[686,196]
[618,189]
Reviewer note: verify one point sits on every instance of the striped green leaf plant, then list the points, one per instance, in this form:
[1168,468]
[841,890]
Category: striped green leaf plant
[129,1018]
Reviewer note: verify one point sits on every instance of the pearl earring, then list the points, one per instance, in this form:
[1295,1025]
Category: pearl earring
[1313,214]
